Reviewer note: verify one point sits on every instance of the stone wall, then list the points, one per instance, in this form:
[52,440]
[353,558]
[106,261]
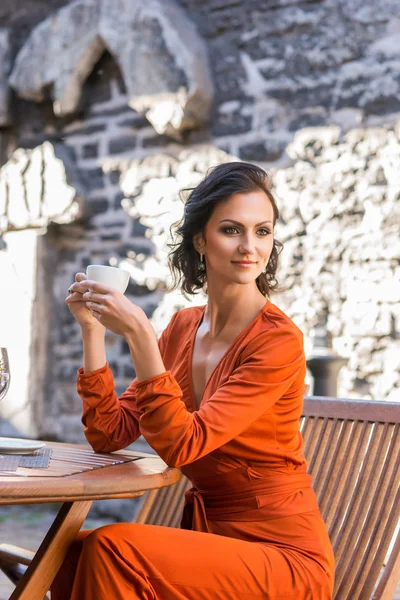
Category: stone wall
[320,115]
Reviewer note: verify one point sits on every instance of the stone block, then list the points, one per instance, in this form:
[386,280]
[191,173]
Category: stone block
[5,117]
[114,177]
[138,229]
[156,141]
[112,223]
[136,121]
[90,150]
[232,124]
[97,206]
[261,151]
[298,96]
[84,131]
[122,144]
[228,69]
[110,236]
[382,102]
[93,178]
[118,200]
[307,119]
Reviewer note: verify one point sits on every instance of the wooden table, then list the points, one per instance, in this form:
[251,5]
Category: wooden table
[76,477]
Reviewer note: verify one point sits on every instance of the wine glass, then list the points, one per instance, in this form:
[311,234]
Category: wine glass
[4,373]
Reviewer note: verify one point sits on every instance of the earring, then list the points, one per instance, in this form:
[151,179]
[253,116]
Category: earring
[201,258]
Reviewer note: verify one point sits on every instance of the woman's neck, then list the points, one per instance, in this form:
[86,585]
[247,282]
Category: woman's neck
[231,312]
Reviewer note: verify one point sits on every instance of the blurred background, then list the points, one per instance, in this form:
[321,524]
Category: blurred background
[109,107]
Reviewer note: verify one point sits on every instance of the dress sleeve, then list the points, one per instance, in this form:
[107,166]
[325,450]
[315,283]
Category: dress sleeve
[270,364]
[110,422]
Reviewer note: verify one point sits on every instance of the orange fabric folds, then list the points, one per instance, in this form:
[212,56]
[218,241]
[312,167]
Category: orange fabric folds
[251,527]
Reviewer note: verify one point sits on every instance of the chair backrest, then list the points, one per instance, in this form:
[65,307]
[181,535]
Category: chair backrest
[163,506]
[352,450]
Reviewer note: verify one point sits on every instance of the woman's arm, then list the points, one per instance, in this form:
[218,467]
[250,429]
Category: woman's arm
[94,354]
[110,422]
[94,349]
[273,362]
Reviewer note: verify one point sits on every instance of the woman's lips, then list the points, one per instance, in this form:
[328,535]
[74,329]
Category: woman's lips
[243,263]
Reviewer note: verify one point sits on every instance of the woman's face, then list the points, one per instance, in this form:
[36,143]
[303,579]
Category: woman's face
[239,238]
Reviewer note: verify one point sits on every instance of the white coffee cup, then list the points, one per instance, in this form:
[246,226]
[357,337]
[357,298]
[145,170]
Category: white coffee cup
[115,278]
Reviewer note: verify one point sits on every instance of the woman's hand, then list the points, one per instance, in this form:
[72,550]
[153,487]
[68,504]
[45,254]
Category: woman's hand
[78,307]
[112,309]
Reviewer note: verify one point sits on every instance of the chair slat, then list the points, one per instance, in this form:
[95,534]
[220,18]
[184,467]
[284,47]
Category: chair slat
[327,451]
[316,435]
[361,515]
[355,517]
[144,510]
[333,475]
[157,506]
[362,432]
[164,506]
[306,424]
[390,578]
[379,518]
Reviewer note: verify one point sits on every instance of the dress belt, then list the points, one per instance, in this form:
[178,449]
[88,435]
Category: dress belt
[194,513]
[275,497]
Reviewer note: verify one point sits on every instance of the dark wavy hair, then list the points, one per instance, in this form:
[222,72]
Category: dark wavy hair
[219,184]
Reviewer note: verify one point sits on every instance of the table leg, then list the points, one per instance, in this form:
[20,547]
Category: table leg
[52,551]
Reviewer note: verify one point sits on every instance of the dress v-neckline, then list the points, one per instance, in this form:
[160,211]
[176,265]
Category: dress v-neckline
[197,324]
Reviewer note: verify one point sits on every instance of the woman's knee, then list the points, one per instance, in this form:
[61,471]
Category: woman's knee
[107,536]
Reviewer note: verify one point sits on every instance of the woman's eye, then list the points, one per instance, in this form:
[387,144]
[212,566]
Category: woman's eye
[229,230]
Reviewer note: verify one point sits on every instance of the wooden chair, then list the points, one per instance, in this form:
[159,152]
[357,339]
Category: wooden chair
[164,506]
[352,448]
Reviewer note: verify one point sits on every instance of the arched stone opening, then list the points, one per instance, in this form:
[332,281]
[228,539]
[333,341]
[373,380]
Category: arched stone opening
[162,59]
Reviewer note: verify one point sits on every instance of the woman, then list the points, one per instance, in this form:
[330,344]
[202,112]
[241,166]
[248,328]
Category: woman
[219,396]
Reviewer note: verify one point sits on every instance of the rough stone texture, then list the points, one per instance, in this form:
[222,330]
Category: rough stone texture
[22,17]
[39,186]
[340,218]
[4,67]
[162,58]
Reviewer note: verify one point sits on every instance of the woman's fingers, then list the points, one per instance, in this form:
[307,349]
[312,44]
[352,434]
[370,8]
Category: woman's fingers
[76,305]
[93,297]
[76,287]
[97,287]
[75,297]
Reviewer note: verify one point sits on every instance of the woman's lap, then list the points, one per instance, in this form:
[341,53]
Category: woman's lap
[149,562]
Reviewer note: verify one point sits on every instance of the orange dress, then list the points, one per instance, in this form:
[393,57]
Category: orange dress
[251,526]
